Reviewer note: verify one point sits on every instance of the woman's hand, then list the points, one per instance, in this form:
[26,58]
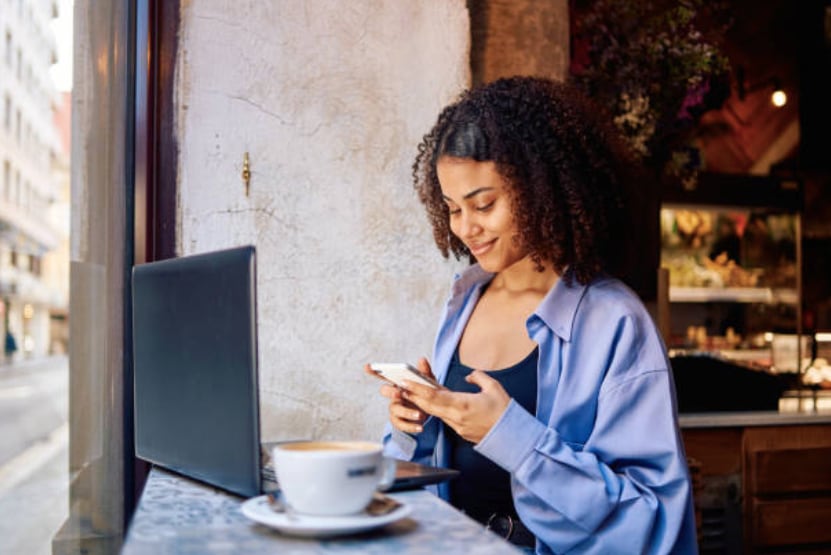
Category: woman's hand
[471,415]
[404,415]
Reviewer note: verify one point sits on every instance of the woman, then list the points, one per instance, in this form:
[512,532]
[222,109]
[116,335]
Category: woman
[558,402]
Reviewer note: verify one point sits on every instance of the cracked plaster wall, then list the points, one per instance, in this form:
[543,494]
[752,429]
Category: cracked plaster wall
[330,104]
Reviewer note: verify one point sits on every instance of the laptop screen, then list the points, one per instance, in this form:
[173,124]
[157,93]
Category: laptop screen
[195,367]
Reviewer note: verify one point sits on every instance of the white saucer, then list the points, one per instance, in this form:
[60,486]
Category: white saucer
[259,510]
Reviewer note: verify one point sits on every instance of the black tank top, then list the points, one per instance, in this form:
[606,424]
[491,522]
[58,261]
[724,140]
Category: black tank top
[484,488]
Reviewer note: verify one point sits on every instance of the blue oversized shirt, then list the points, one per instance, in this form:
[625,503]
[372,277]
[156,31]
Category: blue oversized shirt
[601,467]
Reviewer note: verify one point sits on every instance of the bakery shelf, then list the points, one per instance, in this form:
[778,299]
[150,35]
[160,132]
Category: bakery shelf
[767,295]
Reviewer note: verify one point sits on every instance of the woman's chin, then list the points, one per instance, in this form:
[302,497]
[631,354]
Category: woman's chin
[490,266]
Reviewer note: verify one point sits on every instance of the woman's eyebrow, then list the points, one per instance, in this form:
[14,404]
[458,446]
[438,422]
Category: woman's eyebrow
[473,193]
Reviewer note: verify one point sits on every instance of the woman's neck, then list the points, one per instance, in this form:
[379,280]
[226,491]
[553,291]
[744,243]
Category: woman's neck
[523,276]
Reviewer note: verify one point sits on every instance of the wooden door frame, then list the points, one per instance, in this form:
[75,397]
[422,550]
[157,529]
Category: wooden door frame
[155,154]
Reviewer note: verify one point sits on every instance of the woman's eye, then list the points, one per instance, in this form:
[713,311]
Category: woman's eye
[453,211]
[485,207]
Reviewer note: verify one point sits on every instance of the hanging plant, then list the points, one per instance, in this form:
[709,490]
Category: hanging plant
[658,67]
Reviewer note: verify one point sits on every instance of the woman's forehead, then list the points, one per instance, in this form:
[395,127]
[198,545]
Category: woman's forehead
[464,174]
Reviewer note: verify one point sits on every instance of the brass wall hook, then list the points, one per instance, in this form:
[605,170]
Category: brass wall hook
[246,172]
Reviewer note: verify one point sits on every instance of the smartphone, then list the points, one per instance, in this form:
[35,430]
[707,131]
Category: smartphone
[397,372]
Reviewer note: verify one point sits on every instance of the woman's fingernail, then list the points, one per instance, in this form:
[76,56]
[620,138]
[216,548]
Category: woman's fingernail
[419,429]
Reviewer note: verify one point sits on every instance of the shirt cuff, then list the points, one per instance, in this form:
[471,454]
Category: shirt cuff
[401,445]
[514,436]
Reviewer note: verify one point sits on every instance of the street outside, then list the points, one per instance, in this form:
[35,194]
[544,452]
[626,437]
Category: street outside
[34,464]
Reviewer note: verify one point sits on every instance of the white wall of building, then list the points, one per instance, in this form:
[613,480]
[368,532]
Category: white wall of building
[28,186]
[330,101]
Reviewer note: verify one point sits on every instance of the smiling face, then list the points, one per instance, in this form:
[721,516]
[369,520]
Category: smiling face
[481,216]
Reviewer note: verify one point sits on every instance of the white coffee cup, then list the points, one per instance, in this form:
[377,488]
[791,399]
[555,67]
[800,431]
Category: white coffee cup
[328,478]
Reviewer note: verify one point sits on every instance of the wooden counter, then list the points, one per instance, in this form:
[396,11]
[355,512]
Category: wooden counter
[762,480]
[751,419]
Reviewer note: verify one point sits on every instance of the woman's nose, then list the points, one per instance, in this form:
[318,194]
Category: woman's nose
[468,225]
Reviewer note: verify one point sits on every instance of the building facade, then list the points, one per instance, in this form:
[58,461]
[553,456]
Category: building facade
[33,176]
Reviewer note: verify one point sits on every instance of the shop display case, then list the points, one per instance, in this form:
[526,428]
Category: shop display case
[731,248]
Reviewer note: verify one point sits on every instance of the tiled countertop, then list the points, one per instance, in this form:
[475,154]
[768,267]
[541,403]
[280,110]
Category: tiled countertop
[179,516]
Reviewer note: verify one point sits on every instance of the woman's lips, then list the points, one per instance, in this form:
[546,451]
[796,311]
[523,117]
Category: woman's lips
[479,249]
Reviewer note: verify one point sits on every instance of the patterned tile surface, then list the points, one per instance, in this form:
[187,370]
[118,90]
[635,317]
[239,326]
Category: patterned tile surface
[179,516]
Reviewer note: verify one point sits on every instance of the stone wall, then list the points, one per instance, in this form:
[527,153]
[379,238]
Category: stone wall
[329,104]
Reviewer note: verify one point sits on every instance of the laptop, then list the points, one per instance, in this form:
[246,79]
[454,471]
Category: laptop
[196,398]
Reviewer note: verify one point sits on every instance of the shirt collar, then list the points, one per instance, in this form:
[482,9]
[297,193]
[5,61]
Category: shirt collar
[559,307]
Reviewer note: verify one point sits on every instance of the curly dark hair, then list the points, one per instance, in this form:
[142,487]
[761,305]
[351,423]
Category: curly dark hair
[565,166]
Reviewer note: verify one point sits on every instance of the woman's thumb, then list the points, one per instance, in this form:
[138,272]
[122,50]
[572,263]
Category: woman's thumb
[480,378]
